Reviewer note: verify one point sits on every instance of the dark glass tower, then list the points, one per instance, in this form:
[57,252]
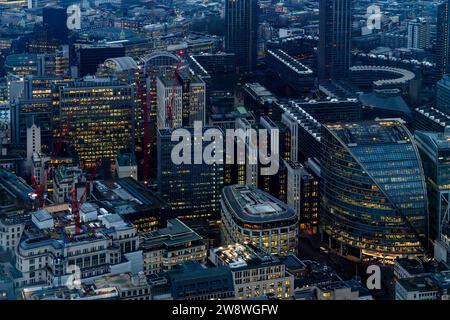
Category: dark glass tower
[335,30]
[55,23]
[241,32]
[192,190]
[373,190]
[443,38]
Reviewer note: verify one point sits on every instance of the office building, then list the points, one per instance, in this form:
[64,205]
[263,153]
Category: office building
[15,191]
[49,246]
[256,274]
[443,40]
[295,74]
[21,64]
[84,293]
[129,286]
[250,215]
[186,94]
[373,190]
[99,114]
[167,247]
[11,229]
[431,286]
[91,56]
[218,70]
[428,118]
[434,151]
[65,179]
[55,23]
[443,94]
[331,109]
[259,100]
[303,133]
[193,281]
[191,189]
[134,202]
[303,194]
[412,267]
[241,32]
[274,184]
[126,165]
[342,290]
[335,30]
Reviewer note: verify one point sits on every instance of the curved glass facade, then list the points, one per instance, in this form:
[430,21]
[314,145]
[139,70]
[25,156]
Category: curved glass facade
[374,195]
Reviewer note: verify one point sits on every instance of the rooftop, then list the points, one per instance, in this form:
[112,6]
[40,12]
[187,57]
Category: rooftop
[370,132]
[243,256]
[176,233]
[426,282]
[419,266]
[15,186]
[434,140]
[64,293]
[42,215]
[252,205]
[435,115]
[290,62]
[304,119]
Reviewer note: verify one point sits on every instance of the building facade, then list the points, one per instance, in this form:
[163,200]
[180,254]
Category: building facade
[241,32]
[443,41]
[191,189]
[434,150]
[335,30]
[250,215]
[100,118]
[373,189]
[167,247]
[255,272]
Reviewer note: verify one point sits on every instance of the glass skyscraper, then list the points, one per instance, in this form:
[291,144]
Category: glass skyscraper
[443,94]
[241,32]
[373,190]
[443,40]
[100,118]
[192,189]
[335,30]
[434,150]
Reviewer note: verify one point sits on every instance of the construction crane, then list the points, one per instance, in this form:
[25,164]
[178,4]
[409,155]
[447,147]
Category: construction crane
[146,107]
[169,109]
[77,204]
[38,191]
[145,141]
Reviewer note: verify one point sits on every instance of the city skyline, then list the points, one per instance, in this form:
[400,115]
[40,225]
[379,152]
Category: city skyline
[224,150]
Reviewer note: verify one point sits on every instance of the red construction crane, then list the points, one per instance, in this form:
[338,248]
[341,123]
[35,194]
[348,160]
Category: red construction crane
[39,189]
[39,192]
[169,109]
[146,107]
[64,130]
[75,209]
[77,204]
